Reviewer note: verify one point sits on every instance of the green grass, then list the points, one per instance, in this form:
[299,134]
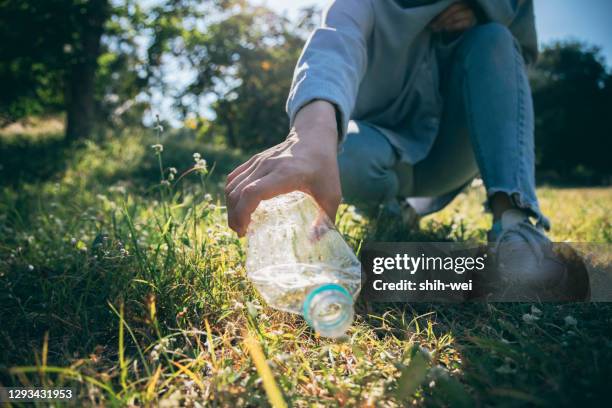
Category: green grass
[134,292]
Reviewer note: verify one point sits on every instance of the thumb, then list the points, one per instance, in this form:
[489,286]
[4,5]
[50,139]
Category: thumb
[328,199]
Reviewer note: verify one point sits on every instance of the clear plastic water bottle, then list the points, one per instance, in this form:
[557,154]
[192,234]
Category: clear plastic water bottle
[300,263]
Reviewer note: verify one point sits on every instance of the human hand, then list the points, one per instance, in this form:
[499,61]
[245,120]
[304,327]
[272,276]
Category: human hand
[305,161]
[458,16]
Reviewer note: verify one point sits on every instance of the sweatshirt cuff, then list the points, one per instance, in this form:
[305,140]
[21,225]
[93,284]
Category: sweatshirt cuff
[305,92]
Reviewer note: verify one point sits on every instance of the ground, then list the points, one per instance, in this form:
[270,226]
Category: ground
[125,283]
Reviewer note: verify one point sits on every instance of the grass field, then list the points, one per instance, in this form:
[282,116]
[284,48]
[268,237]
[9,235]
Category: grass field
[120,278]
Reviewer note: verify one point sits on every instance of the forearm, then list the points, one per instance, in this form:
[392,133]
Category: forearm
[317,121]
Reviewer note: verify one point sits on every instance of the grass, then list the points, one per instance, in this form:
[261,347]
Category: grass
[132,291]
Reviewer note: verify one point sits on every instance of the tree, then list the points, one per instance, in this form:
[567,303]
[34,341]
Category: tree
[49,58]
[82,57]
[572,91]
[245,63]
[87,34]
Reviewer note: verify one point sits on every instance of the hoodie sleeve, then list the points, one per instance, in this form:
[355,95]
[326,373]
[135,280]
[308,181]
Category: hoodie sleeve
[334,60]
[518,16]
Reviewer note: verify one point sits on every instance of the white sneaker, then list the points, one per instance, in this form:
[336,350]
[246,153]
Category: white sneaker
[526,266]
[410,218]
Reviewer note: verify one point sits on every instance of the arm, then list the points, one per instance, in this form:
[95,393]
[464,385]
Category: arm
[334,60]
[325,86]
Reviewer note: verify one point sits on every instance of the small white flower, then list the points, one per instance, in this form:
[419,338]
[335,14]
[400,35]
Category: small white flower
[171,177]
[31,267]
[529,318]
[189,385]
[505,369]
[165,183]
[158,147]
[196,157]
[73,240]
[207,197]
[158,127]
[570,321]
[200,165]
[426,352]
[172,170]
[535,311]
[117,189]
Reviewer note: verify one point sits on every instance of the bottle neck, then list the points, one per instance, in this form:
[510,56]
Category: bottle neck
[329,310]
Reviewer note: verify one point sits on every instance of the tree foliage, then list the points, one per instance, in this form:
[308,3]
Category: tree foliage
[227,65]
[101,61]
[572,91]
[46,45]
[245,62]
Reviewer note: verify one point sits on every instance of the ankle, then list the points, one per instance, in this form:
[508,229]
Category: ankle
[499,204]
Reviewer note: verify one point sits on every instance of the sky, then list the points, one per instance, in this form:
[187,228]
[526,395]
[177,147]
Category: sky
[586,20]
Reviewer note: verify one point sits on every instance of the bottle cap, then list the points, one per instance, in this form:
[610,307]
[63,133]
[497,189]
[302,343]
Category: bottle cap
[329,309]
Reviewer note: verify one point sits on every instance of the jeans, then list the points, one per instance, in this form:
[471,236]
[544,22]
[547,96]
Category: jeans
[486,128]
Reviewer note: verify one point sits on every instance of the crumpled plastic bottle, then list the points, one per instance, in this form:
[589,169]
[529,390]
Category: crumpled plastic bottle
[300,263]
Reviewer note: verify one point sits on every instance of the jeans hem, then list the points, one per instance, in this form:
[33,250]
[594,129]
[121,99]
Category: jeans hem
[516,196]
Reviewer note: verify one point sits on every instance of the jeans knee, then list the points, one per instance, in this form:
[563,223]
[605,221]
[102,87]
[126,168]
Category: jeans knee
[491,41]
[364,162]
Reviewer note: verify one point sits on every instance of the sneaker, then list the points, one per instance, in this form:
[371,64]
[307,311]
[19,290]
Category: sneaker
[395,222]
[527,269]
[410,218]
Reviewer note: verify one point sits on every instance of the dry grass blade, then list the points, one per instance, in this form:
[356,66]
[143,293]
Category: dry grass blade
[275,397]
[194,377]
[150,393]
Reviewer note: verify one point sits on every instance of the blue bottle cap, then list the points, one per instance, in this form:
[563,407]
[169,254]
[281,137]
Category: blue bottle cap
[331,287]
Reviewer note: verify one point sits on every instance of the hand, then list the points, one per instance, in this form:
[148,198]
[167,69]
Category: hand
[458,16]
[305,161]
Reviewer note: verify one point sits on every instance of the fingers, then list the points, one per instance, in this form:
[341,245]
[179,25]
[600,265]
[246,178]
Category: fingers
[328,200]
[260,185]
[460,21]
[281,169]
[242,203]
[460,25]
[438,22]
[458,16]
[238,170]
[255,167]
[256,175]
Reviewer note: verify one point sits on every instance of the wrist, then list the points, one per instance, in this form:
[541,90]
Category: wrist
[317,119]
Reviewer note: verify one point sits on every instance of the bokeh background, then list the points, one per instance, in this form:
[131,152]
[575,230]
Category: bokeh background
[220,71]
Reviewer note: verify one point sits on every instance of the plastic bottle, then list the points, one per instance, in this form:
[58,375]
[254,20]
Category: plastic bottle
[300,263]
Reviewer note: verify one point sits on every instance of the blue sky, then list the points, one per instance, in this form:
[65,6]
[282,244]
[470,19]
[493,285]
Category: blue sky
[589,20]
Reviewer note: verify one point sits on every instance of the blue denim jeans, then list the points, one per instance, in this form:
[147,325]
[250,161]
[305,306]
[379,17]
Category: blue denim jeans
[486,128]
